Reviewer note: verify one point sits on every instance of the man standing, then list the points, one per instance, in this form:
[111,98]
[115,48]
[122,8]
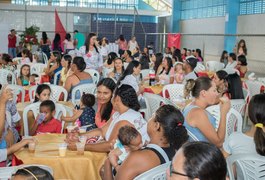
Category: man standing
[79,39]
[12,40]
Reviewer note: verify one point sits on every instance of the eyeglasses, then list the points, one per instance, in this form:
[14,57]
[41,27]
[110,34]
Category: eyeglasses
[172,171]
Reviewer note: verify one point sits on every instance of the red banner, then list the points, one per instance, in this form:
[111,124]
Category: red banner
[59,26]
[173,40]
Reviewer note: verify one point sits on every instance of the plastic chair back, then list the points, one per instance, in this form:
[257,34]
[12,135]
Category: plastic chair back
[252,166]
[56,77]
[156,173]
[254,87]
[94,74]
[37,68]
[7,77]
[214,65]
[83,88]
[239,105]
[199,67]
[16,89]
[174,90]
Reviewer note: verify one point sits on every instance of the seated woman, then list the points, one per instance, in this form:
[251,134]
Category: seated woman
[167,134]
[166,76]
[198,160]
[130,74]
[78,77]
[57,66]
[242,65]
[231,64]
[105,89]
[197,120]
[252,141]
[118,69]
[109,64]
[126,104]
[157,62]
[234,87]
[219,79]
[66,64]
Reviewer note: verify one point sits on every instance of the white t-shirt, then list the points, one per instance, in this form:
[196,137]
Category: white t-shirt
[133,117]
[132,45]
[104,50]
[238,143]
[132,81]
[231,65]
[191,75]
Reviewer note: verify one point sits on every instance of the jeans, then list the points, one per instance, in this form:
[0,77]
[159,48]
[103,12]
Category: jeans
[12,52]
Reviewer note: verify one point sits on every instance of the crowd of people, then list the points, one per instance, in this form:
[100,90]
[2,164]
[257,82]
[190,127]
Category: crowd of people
[135,145]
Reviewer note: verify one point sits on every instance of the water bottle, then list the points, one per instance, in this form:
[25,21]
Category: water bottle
[152,77]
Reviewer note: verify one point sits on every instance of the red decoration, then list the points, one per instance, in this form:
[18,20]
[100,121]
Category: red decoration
[173,40]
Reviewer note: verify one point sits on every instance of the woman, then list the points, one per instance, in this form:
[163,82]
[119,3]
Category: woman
[45,44]
[242,65]
[167,74]
[224,57]
[234,87]
[219,79]
[68,44]
[144,60]
[241,48]
[57,44]
[126,104]
[105,88]
[252,141]
[66,64]
[130,74]
[122,44]
[104,48]
[57,66]
[127,56]
[183,54]
[157,59]
[198,55]
[198,160]
[197,120]
[166,131]
[78,77]
[176,56]
[91,54]
[231,64]
[118,69]
[109,64]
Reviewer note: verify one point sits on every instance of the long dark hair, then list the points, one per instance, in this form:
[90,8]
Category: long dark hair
[222,75]
[111,57]
[68,58]
[128,96]
[80,63]
[58,56]
[68,36]
[5,57]
[199,53]
[223,56]
[243,60]
[257,115]
[39,90]
[169,64]
[177,55]
[57,41]
[235,86]
[87,42]
[128,70]
[171,119]
[159,59]
[44,37]
[110,84]
[204,161]
[244,47]
[28,53]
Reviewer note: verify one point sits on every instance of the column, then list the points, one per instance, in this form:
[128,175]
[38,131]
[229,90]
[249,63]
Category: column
[176,14]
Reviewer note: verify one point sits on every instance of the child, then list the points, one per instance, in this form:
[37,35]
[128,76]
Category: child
[43,93]
[32,172]
[86,114]
[179,76]
[32,79]
[26,56]
[6,63]
[24,78]
[45,122]
[129,139]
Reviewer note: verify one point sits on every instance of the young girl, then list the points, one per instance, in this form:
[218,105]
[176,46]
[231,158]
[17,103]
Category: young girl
[86,113]
[179,76]
[43,93]
[118,69]
[26,56]
[24,78]
[57,66]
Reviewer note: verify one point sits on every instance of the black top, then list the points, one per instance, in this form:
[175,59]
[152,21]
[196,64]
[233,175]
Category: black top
[169,151]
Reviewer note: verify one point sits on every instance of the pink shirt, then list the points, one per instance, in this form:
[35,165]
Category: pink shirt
[98,120]
[53,126]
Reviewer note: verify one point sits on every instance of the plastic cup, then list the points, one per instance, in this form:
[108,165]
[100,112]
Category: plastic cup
[70,128]
[82,139]
[32,147]
[82,130]
[80,148]
[62,149]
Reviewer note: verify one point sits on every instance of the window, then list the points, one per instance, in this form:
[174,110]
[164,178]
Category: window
[252,7]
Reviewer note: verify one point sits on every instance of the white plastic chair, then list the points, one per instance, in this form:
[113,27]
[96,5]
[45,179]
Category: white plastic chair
[246,94]
[239,105]
[55,94]
[56,77]
[174,90]
[106,71]
[254,87]
[45,58]
[153,102]
[83,88]
[16,90]
[200,67]
[37,68]
[214,65]
[5,75]
[145,73]
[156,173]
[35,108]
[234,119]
[252,166]
[94,74]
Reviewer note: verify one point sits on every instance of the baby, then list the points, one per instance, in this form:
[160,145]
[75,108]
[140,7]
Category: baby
[129,139]
[179,76]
